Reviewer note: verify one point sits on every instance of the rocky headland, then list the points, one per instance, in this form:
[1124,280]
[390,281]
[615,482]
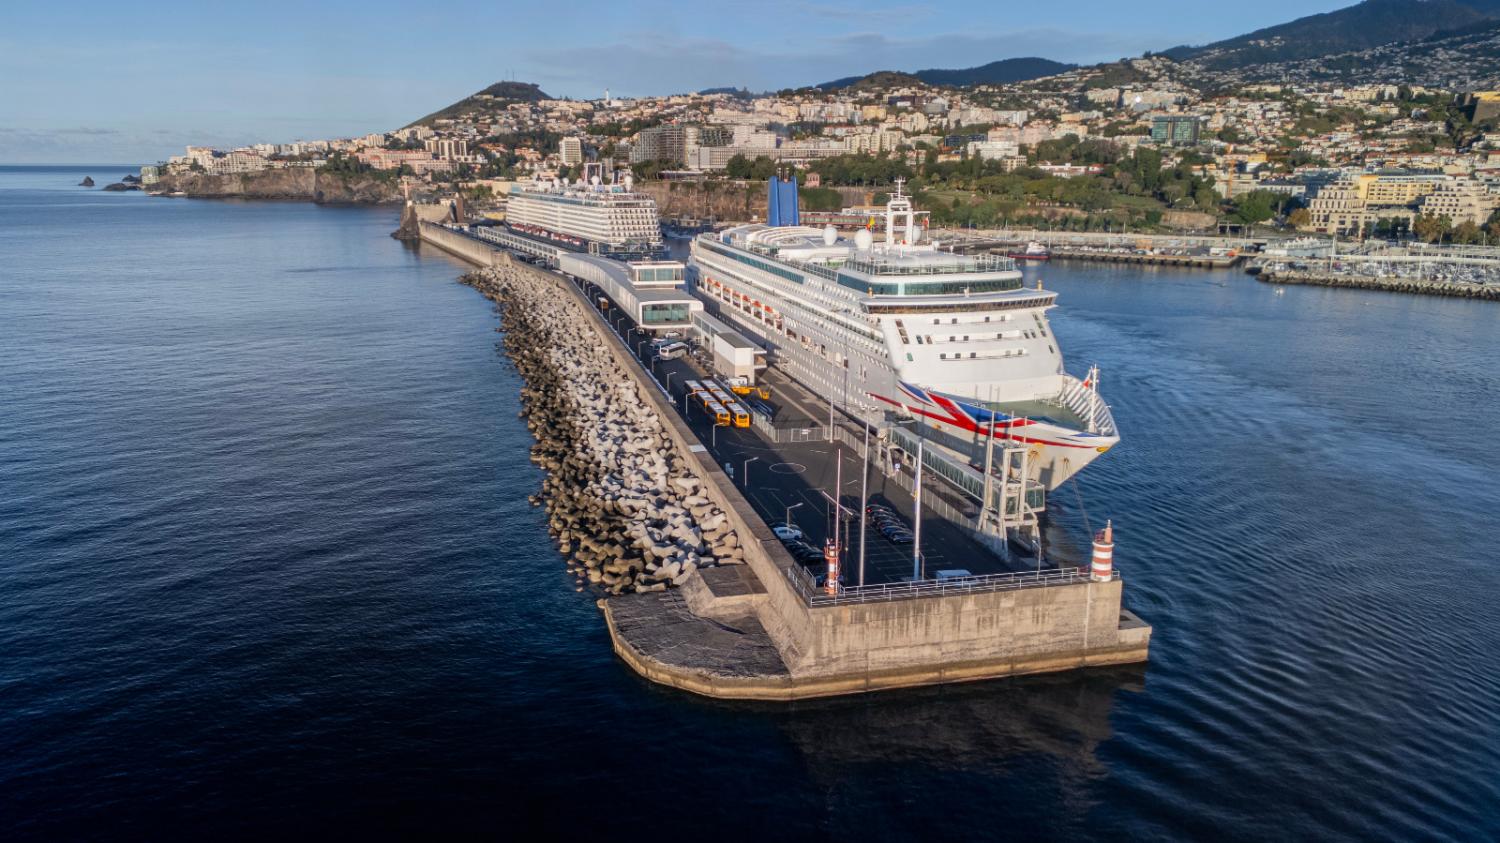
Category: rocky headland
[291,184]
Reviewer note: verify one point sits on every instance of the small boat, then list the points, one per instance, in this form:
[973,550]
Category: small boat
[1034,251]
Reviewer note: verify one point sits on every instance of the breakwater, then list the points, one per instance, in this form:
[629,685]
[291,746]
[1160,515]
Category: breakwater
[1104,256]
[1415,286]
[622,503]
[757,630]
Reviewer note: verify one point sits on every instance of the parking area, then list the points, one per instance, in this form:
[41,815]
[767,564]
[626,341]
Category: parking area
[795,482]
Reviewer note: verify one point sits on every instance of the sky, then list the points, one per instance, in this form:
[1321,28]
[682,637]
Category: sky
[109,82]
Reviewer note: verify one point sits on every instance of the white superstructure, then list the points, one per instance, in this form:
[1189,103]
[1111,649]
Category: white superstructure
[604,217]
[955,340]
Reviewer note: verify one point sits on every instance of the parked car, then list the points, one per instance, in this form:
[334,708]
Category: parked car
[785,533]
[952,574]
[877,509]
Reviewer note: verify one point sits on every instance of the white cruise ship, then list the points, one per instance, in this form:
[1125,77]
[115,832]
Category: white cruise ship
[607,219]
[953,339]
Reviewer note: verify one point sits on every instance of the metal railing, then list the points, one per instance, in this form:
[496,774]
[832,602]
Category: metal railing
[975,263]
[804,584]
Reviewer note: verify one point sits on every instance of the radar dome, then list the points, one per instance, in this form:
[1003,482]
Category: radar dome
[830,235]
[863,240]
[916,235]
[594,181]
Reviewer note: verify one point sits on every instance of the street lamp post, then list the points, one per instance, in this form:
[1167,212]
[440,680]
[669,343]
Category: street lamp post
[864,503]
[788,520]
[916,547]
[745,472]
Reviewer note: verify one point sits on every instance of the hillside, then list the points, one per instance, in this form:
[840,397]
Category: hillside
[999,72]
[494,98]
[1466,59]
[1369,24]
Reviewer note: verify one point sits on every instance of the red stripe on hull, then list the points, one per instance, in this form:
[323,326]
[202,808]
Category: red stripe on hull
[974,429]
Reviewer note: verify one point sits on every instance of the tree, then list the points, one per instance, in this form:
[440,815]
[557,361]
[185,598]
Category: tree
[762,168]
[1300,218]
[1255,206]
[1432,229]
[738,167]
[1466,233]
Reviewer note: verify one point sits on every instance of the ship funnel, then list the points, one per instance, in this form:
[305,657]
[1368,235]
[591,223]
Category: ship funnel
[781,201]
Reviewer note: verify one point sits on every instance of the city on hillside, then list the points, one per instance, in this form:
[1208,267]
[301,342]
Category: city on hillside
[1140,145]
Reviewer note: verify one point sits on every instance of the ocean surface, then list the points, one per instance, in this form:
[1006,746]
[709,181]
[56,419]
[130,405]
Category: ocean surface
[267,569]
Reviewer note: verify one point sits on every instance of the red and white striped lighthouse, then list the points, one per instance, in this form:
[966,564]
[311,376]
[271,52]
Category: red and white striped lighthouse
[1104,554]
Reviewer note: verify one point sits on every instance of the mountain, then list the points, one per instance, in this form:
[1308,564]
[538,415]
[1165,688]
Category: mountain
[995,73]
[1464,59]
[872,81]
[1371,23]
[492,99]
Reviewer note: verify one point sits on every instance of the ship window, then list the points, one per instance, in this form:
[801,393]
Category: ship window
[1051,349]
[972,355]
[986,318]
[952,338]
[942,357]
[953,321]
[966,337]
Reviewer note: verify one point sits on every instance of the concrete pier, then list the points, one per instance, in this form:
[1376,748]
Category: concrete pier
[756,630]
[1488,292]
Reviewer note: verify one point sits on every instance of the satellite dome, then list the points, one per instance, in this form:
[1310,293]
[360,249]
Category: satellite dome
[830,235]
[863,240]
[915,236]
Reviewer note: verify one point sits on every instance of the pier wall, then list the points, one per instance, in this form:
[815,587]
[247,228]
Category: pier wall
[457,244]
[850,648]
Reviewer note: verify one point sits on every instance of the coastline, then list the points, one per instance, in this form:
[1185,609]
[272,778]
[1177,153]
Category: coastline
[283,185]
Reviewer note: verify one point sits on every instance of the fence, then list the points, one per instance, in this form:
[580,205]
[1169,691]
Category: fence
[804,584]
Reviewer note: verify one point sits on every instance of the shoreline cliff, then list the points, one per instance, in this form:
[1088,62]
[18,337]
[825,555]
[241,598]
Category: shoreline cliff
[299,184]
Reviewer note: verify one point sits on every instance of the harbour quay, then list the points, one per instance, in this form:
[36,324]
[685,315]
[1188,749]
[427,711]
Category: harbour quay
[753,623]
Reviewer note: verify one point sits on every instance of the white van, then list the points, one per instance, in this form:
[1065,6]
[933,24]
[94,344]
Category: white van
[672,351]
[952,574]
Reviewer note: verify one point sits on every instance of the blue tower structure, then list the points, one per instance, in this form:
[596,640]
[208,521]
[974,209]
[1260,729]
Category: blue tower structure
[781,207]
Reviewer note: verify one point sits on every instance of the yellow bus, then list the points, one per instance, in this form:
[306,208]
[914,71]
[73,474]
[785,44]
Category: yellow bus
[721,415]
[741,415]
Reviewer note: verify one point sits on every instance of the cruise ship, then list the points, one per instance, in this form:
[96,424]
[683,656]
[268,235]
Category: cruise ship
[955,340]
[602,219]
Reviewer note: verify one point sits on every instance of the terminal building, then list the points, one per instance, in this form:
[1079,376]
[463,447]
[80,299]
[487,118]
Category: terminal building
[649,292]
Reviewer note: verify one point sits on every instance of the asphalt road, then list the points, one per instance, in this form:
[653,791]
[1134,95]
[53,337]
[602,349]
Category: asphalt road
[795,481]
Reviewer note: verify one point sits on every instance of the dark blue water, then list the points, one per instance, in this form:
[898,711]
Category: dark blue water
[267,568]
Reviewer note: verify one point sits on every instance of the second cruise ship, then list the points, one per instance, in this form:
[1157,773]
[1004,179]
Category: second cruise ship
[955,340]
[588,216]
